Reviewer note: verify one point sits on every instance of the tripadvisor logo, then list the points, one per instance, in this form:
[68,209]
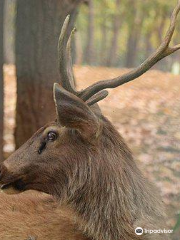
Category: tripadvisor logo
[139,231]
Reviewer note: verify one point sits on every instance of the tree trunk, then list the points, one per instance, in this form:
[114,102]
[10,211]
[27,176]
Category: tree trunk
[79,49]
[112,56]
[103,53]
[1,79]
[89,52]
[148,45]
[131,49]
[9,18]
[38,24]
[159,32]
[133,39]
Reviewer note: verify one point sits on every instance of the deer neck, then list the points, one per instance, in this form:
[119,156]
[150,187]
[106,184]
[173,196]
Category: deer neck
[106,202]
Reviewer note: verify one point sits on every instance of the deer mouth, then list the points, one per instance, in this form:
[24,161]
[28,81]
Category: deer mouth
[14,187]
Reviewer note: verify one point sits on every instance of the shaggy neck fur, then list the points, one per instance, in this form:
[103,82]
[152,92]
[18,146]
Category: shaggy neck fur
[113,197]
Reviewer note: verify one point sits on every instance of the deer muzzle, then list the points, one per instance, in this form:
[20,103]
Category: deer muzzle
[10,184]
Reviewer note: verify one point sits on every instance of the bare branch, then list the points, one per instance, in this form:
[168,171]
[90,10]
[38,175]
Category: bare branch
[163,51]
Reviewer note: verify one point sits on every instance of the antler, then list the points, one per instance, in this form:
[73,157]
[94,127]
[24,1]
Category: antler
[163,51]
[65,65]
[64,58]
[69,60]
[95,92]
[97,97]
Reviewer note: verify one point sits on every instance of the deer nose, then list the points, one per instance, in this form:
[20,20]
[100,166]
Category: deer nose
[2,169]
[0,173]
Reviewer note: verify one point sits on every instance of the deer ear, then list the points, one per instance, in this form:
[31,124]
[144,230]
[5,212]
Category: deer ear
[73,113]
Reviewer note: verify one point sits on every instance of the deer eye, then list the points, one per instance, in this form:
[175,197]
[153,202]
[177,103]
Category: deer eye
[52,136]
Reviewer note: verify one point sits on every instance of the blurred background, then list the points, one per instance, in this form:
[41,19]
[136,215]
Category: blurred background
[112,36]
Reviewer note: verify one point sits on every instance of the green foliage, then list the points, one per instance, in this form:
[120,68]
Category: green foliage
[143,23]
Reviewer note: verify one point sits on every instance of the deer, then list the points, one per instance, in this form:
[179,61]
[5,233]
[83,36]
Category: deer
[84,163]
[36,216]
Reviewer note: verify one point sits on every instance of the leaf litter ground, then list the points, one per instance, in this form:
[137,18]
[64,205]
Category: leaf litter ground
[146,112]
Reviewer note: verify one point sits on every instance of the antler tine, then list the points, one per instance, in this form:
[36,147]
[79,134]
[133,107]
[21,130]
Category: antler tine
[69,60]
[97,97]
[163,51]
[62,58]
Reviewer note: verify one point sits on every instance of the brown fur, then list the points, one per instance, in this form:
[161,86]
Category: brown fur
[37,217]
[93,173]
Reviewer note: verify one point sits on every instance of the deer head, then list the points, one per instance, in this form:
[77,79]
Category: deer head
[55,153]
[82,160]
